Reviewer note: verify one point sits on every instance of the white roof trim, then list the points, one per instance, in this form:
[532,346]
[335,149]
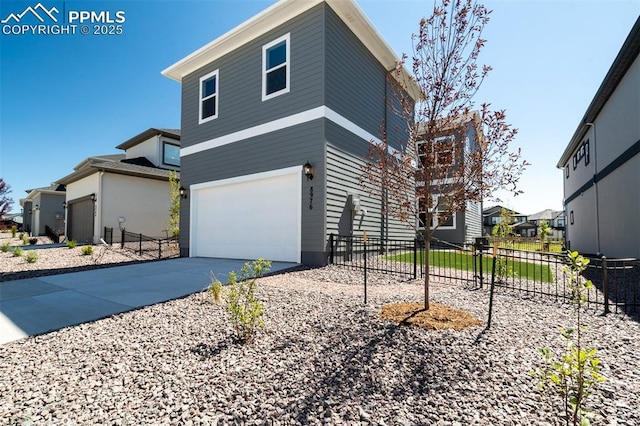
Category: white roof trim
[280,13]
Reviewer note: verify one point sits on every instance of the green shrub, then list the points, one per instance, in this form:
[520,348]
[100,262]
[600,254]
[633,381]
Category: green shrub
[87,250]
[32,256]
[4,247]
[572,374]
[242,305]
[20,235]
[33,241]
[25,240]
[17,251]
[72,244]
[215,289]
[14,230]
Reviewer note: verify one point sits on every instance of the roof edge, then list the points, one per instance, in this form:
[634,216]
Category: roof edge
[624,59]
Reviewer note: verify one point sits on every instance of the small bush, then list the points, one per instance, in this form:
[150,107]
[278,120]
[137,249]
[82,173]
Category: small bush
[241,304]
[87,250]
[215,289]
[72,244]
[17,251]
[4,247]
[33,241]
[20,236]
[14,230]
[32,256]
[25,240]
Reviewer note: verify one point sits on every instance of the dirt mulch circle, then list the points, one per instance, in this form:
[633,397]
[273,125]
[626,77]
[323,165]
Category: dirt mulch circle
[438,317]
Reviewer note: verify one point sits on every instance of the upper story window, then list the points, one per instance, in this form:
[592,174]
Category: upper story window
[582,152]
[442,216]
[443,151]
[276,68]
[170,154]
[208,97]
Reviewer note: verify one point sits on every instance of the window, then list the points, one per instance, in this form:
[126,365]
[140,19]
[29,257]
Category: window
[170,154]
[582,152]
[208,97]
[438,219]
[566,171]
[275,68]
[571,217]
[443,151]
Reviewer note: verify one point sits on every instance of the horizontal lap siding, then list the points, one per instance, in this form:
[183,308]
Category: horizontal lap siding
[345,157]
[240,82]
[289,147]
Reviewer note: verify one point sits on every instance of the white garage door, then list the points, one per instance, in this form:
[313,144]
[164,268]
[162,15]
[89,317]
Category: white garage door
[248,217]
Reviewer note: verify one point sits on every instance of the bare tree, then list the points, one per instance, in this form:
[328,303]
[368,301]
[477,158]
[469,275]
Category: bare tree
[453,153]
[5,201]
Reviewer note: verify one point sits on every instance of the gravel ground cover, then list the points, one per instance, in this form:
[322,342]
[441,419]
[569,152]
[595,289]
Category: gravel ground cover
[63,259]
[323,358]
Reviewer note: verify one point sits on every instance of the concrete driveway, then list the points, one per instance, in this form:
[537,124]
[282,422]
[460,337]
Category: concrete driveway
[35,306]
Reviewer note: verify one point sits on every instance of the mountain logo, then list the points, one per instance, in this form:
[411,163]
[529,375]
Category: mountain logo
[43,11]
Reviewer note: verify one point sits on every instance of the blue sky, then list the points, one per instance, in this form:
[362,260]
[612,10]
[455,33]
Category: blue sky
[66,97]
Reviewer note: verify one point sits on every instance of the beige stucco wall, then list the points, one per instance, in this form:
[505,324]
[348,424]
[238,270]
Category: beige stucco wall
[144,203]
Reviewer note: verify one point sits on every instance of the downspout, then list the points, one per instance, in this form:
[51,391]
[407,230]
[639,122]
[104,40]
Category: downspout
[384,214]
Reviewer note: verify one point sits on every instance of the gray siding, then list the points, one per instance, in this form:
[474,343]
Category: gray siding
[343,178]
[240,104]
[355,80]
[285,148]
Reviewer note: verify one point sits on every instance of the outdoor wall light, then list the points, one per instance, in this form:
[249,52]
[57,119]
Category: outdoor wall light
[64,204]
[37,207]
[308,170]
[93,197]
[183,192]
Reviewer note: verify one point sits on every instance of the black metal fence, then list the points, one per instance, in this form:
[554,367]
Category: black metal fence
[531,273]
[142,244]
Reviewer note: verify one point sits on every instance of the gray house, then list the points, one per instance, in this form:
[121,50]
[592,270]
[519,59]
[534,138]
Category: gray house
[601,163]
[43,211]
[465,225]
[277,115]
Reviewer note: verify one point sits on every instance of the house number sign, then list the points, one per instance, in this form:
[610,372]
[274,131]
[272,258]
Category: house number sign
[311,198]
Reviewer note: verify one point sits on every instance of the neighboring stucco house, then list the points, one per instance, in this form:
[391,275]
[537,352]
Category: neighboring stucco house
[466,225]
[301,83]
[601,163]
[129,191]
[42,208]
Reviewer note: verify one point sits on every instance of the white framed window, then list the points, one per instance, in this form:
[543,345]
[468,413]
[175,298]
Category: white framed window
[443,149]
[441,203]
[276,69]
[208,109]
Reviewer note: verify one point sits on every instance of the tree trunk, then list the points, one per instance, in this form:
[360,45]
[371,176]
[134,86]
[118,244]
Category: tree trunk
[427,260]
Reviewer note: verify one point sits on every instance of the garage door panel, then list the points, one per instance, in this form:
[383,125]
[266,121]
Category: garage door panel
[247,220]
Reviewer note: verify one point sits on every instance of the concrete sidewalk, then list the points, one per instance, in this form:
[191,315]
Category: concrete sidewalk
[35,306]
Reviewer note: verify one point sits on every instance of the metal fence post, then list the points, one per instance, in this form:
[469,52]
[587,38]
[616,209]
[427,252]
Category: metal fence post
[605,291]
[122,238]
[365,269]
[331,249]
[493,275]
[140,244]
[159,249]
[415,258]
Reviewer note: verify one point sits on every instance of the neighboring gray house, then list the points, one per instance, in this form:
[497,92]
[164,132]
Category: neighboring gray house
[601,163]
[466,225]
[555,220]
[42,208]
[303,83]
[491,217]
[123,191]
